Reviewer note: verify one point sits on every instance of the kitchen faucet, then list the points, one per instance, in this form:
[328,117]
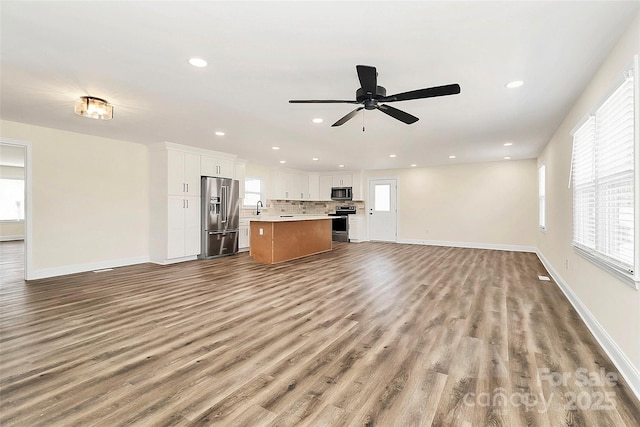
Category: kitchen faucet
[258,207]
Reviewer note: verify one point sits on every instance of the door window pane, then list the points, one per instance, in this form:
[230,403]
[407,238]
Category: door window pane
[382,193]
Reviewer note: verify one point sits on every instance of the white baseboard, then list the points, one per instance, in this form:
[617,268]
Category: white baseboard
[11,238]
[43,273]
[617,356]
[513,248]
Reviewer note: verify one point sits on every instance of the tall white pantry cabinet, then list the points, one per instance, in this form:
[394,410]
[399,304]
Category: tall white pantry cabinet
[175,198]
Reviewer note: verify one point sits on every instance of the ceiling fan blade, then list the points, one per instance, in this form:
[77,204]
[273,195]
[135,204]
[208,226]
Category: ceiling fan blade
[398,114]
[423,93]
[368,78]
[347,117]
[321,101]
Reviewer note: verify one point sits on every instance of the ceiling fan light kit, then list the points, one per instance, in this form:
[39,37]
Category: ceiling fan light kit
[370,96]
[93,108]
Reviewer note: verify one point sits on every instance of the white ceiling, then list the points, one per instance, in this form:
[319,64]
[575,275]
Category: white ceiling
[261,54]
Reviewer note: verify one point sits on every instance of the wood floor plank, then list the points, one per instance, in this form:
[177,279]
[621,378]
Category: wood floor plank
[369,334]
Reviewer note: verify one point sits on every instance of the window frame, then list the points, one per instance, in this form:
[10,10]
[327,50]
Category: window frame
[542,197]
[629,274]
[261,193]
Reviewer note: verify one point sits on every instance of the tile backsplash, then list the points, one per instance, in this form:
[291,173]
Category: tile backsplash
[301,207]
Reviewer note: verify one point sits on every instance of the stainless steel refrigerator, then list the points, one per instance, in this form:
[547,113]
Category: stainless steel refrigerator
[220,217]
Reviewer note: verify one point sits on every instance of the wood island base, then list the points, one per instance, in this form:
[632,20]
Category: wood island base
[278,240]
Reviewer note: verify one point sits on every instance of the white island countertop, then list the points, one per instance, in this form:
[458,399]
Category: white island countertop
[287,218]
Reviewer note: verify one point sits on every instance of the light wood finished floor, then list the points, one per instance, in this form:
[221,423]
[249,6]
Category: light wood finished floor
[370,334]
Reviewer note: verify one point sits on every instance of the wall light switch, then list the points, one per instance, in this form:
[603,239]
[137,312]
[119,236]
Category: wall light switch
[261,232]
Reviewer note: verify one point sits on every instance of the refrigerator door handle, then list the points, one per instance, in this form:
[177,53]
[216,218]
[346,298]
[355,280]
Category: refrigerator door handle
[225,203]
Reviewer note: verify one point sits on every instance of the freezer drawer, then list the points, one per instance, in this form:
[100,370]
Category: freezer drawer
[219,243]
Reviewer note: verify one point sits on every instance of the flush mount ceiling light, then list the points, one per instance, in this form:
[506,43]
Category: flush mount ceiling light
[317,120]
[315,159]
[275,148]
[508,144]
[198,62]
[514,84]
[413,165]
[219,133]
[340,166]
[452,157]
[93,108]
[283,161]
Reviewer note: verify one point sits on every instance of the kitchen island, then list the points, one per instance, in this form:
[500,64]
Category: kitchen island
[275,239]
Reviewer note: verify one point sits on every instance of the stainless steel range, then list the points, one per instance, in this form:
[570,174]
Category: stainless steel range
[340,223]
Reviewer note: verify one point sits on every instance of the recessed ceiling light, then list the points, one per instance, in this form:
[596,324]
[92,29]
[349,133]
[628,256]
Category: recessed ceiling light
[392,155]
[340,166]
[413,165]
[315,159]
[452,157]
[507,157]
[508,144]
[283,161]
[318,120]
[219,133]
[198,62]
[275,148]
[514,84]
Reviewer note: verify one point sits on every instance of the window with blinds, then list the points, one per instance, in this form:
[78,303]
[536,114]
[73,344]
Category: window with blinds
[604,180]
[542,209]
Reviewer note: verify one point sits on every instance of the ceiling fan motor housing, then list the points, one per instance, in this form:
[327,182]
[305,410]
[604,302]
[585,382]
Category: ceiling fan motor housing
[370,100]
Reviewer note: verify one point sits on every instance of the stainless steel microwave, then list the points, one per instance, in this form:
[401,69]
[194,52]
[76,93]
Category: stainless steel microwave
[341,193]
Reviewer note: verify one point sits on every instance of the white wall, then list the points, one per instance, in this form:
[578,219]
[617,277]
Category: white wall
[610,307]
[489,205]
[90,200]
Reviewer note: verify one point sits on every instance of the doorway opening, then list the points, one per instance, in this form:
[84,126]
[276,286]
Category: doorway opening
[14,210]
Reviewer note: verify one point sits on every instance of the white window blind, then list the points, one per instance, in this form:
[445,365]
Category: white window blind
[542,218]
[603,180]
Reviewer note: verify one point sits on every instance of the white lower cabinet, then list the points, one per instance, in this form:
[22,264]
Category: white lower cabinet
[357,228]
[183,226]
[243,235]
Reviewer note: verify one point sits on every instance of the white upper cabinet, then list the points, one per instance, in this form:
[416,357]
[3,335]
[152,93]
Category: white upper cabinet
[342,180]
[325,184]
[217,166]
[183,173]
[356,185]
[284,187]
[314,186]
[301,186]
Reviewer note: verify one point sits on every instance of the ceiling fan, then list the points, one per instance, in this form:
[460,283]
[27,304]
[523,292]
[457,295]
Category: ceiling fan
[370,95]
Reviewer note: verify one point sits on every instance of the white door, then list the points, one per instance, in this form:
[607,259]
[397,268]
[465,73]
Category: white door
[382,210]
